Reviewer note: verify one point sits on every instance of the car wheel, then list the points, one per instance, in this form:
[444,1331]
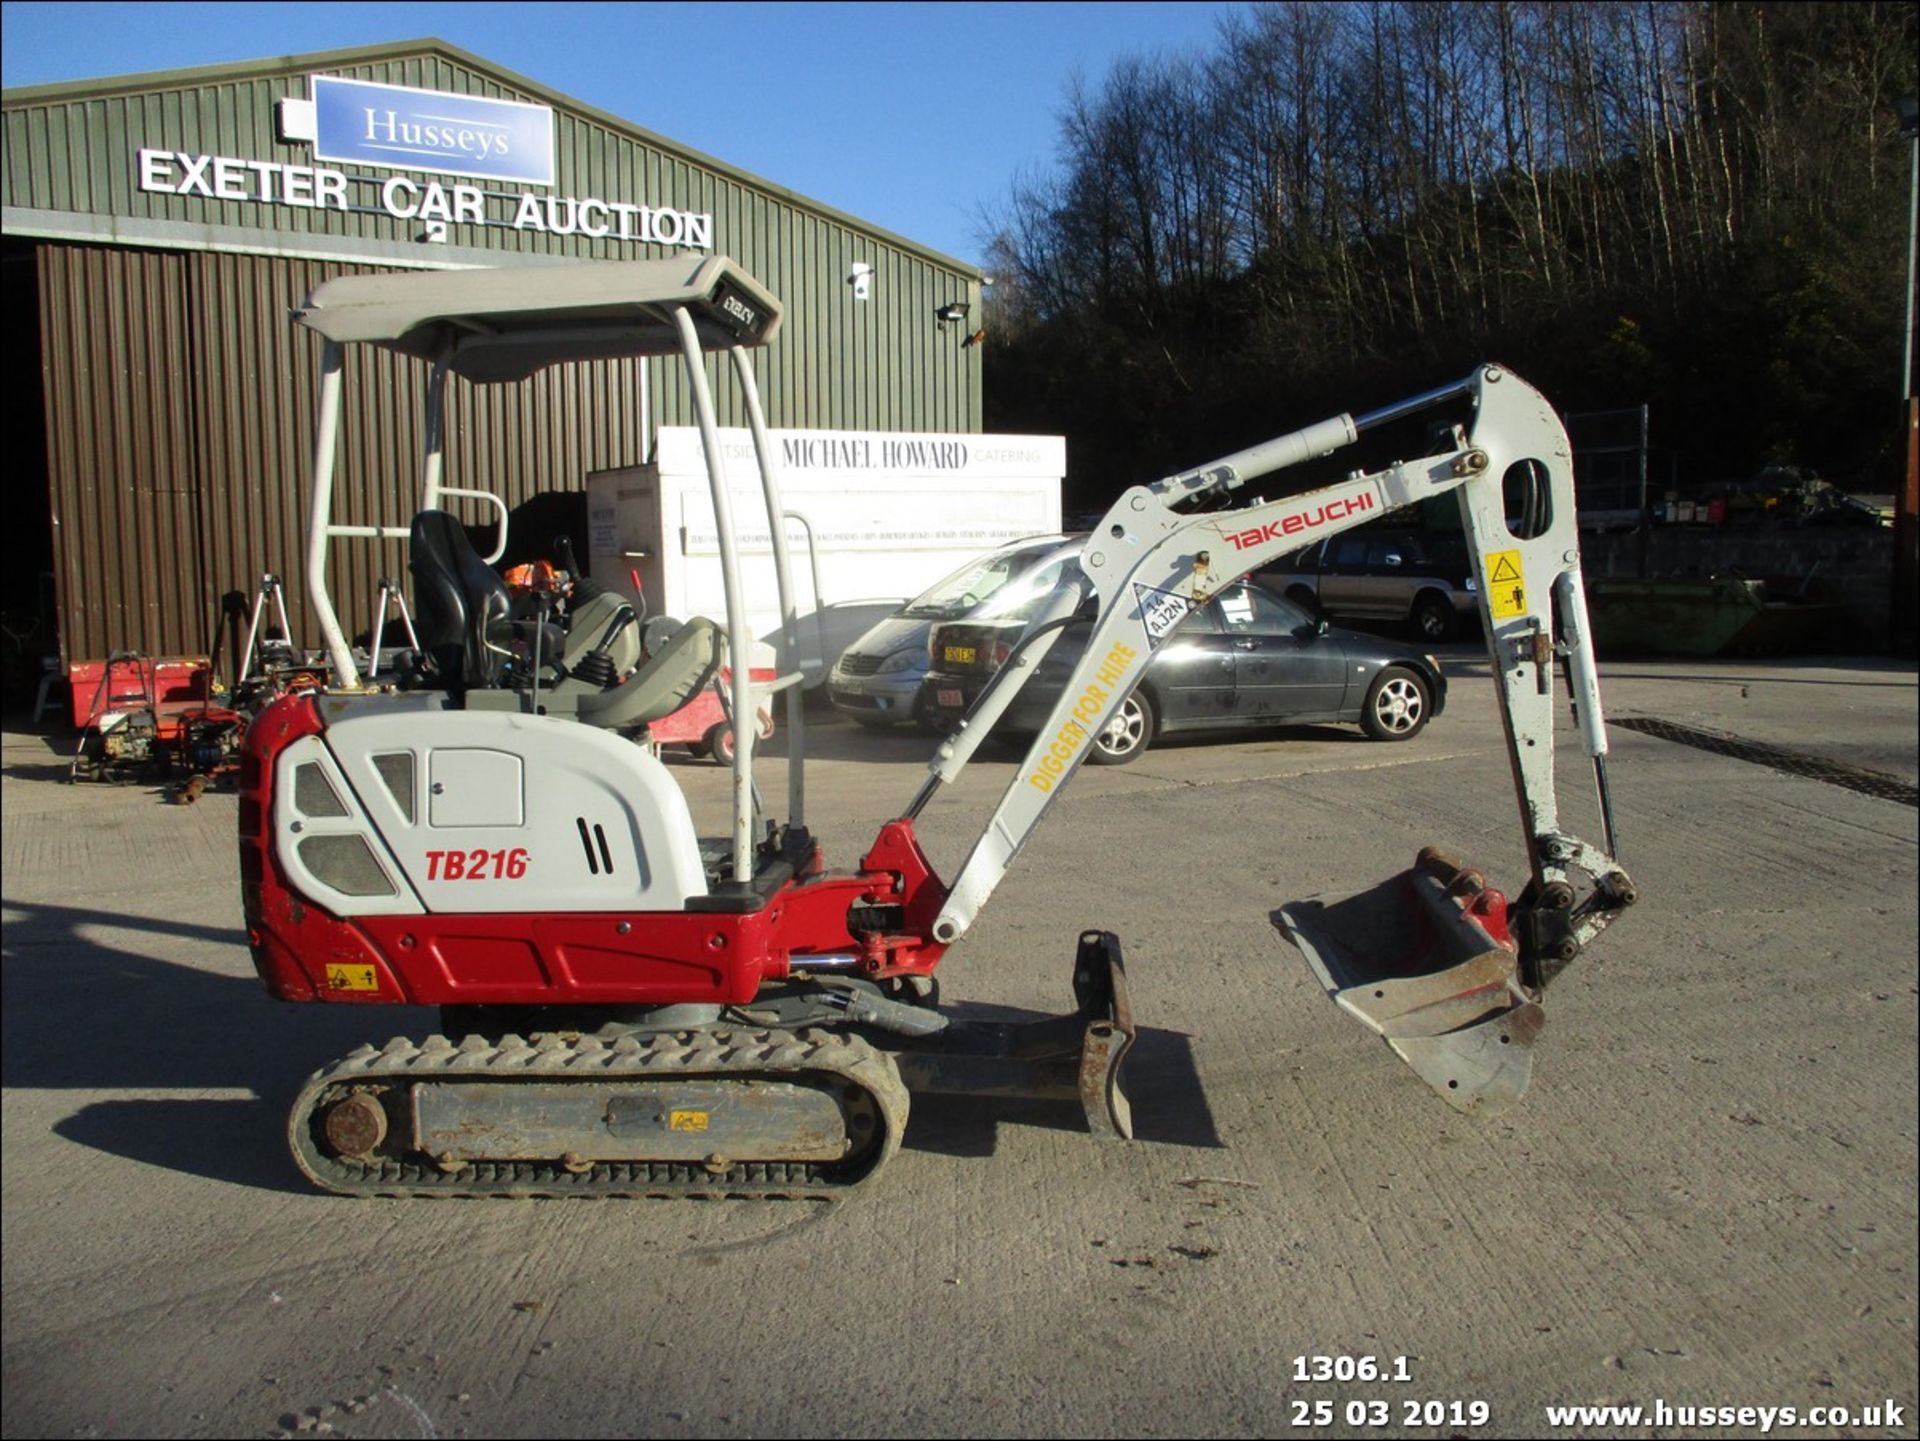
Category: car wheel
[1126,735]
[1397,705]
[1433,617]
[718,742]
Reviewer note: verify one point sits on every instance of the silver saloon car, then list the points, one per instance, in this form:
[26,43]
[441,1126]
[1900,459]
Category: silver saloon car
[877,679]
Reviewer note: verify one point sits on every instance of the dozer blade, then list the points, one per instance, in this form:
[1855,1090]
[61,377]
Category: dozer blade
[1062,1058]
[1424,960]
[1107,1034]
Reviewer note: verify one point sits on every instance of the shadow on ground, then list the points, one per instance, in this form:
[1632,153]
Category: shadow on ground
[39,755]
[1159,1078]
[89,1013]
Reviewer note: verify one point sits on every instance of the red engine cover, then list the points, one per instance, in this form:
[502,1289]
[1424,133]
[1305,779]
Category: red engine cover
[303,952]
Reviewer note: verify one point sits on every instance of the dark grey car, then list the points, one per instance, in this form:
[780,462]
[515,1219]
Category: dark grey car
[1421,578]
[1246,658]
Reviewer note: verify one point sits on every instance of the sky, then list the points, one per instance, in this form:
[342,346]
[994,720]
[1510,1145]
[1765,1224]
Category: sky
[913,117]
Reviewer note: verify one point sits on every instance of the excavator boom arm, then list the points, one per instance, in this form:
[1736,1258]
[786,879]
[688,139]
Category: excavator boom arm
[1148,564]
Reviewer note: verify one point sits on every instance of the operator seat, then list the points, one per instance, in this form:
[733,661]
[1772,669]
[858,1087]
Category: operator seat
[679,668]
[457,596]
[463,605]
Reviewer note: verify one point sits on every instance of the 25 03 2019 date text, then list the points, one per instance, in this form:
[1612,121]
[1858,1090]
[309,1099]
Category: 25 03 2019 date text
[1406,1415]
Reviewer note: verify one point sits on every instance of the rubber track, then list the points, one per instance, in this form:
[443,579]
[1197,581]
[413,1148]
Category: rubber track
[588,1058]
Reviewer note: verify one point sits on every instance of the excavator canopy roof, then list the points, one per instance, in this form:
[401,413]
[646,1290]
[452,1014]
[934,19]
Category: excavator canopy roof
[506,324]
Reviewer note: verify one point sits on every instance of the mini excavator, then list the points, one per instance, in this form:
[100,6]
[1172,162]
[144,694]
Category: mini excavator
[629,1008]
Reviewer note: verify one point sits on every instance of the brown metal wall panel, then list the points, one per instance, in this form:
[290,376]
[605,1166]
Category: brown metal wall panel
[181,412]
[254,382]
[119,433]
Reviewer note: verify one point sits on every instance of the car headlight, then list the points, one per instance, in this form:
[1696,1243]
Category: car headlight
[900,660]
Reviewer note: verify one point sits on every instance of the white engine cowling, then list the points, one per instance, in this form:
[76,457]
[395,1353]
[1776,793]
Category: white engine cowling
[402,806]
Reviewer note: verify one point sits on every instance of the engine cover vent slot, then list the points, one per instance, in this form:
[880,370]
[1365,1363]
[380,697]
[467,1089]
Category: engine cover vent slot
[594,843]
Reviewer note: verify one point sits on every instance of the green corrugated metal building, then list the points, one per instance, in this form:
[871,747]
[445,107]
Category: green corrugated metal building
[159,227]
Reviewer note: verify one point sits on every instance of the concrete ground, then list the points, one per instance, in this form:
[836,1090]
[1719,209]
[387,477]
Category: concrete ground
[1707,1199]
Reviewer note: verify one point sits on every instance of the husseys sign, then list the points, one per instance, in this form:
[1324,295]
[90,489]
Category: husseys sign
[358,122]
[393,127]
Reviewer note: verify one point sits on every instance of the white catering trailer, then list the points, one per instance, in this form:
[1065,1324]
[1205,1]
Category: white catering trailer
[873,518]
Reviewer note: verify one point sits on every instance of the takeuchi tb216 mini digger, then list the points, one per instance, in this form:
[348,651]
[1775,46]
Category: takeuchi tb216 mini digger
[632,1009]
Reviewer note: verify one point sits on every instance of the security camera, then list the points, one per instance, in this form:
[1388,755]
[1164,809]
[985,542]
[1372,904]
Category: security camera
[860,277]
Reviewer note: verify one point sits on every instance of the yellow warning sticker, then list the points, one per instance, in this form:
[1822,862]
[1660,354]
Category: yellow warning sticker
[687,1120]
[352,978]
[1506,584]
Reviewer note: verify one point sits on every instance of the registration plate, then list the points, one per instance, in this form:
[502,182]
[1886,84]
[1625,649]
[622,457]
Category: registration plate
[950,698]
[960,654]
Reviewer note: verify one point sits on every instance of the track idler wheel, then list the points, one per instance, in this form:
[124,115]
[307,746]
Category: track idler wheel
[355,1125]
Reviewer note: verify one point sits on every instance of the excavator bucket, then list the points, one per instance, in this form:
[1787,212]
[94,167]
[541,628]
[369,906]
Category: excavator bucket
[1425,961]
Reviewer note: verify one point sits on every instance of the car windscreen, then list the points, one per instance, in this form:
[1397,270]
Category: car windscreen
[1022,598]
[963,592]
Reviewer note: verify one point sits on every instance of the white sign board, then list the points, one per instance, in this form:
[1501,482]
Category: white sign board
[889,514]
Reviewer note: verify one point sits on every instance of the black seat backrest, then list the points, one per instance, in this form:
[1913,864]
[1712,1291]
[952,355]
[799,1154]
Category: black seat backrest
[455,595]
